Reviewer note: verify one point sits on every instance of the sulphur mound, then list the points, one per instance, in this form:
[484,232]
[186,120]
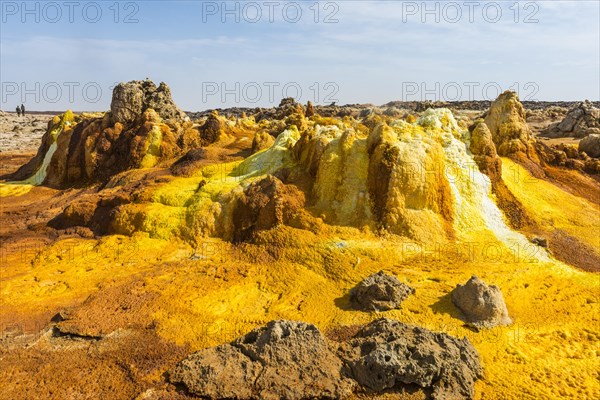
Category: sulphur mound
[143,128]
[507,123]
[418,180]
[203,238]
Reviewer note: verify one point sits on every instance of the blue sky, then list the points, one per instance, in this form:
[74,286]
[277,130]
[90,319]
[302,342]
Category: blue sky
[365,51]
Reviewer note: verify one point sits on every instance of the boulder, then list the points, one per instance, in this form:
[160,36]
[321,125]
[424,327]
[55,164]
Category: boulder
[590,145]
[482,305]
[387,354]
[592,166]
[379,292]
[580,121]
[540,241]
[282,360]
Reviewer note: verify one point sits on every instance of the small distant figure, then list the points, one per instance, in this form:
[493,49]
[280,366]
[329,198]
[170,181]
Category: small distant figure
[18,111]
[22,109]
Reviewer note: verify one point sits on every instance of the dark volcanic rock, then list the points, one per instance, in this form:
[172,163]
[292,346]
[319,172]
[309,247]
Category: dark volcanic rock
[292,360]
[540,241]
[379,292]
[283,360]
[386,354]
[482,305]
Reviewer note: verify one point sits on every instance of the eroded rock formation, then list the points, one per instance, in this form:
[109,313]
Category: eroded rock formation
[508,125]
[572,156]
[289,112]
[386,354]
[379,292]
[143,128]
[131,99]
[310,109]
[591,145]
[581,120]
[292,360]
[392,174]
[266,204]
[482,305]
[262,140]
[484,151]
[283,360]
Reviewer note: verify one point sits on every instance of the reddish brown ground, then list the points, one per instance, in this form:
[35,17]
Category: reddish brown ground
[563,246]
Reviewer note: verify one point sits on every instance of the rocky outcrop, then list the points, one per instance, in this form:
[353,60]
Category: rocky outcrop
[266,204]
[571,156]
[292,360]
[544,115]
[590,145]
[143,128]
[131,99]
[385,176]
[97,149]
[482,305]
[289,112]
[310,109]
[581,120]
[283,360]
[379,292]
[262,140]
[286,108]
[507,123]
[213,129]
[396,184]
[387,354]
[484,151]
[58,128]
